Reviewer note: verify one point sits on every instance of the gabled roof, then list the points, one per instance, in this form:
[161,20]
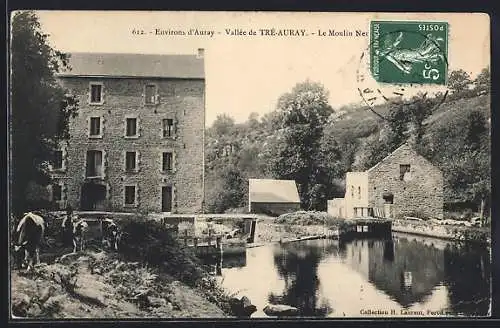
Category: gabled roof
[273,191]
[135,65]
[405,145]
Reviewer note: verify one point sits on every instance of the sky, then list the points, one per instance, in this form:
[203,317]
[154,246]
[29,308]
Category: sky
[246,74]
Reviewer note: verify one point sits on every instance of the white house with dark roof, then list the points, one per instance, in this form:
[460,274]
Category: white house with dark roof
[137,143]
[273,197]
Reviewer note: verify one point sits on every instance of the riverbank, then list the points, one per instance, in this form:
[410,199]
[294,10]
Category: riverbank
[267,231]
[96,284]
[480,235]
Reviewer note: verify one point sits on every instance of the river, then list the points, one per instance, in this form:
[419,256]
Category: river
[403,276]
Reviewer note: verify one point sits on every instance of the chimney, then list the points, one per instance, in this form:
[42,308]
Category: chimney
[201,53]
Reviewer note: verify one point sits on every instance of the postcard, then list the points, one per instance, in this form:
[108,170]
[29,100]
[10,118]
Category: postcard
[177,165]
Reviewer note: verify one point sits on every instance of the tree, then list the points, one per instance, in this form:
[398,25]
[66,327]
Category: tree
[459,81]
[223,125]
[40,107]
[482,83]
[300,118]
[404,123]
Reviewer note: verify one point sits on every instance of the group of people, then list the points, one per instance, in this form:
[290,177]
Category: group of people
[74,232]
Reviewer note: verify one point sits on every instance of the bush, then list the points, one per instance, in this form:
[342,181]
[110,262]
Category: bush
[150,242]
[309,218]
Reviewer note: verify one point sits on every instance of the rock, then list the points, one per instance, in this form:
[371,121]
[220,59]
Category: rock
[243,307]
[97,271]
[248,307]
[280,310]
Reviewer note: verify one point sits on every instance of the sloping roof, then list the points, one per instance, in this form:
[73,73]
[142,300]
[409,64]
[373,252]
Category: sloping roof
[135,65]
[273,191]
[405,145]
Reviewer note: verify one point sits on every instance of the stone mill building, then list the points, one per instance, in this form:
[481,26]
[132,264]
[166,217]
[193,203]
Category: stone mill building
[403,183]
[137,142]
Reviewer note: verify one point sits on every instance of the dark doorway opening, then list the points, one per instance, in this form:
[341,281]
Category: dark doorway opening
[166,199]
[93,197]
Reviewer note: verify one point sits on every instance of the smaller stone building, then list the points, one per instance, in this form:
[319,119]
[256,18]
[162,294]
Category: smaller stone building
[403,183]
[272,197]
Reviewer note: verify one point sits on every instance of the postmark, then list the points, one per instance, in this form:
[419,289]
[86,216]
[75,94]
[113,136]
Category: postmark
[397,75]
[409,52]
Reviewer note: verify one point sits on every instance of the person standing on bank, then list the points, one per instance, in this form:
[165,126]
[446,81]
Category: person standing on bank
[67,227]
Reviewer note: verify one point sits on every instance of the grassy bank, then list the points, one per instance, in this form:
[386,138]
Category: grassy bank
[152,275]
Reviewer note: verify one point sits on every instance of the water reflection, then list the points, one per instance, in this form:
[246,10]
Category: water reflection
[298,267]
[341,278]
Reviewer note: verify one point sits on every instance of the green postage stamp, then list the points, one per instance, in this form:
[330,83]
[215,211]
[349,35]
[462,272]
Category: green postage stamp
[409,52]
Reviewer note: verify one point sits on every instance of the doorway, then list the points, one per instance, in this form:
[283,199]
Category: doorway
[93,197]
[166,199]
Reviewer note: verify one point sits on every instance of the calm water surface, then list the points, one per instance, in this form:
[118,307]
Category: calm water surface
[406,275]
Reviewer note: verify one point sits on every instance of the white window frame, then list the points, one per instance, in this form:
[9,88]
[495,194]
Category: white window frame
[173,161]
[137,127]
[101,127]
[103,164]
[156,100]
[137,161]
[90,93]
[136,195]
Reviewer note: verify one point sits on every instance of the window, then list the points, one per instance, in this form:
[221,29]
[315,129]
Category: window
[167,161]
[352,191]
[150,94]
[95,93]
[404,172]
[168,128]
[95,126]
[130,161]
[359,192]
[57,161]
[131,129]
[94,163]
[130,195]
[56,192]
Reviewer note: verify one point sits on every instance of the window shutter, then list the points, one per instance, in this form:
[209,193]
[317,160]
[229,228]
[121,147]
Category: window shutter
[138,129]
[157,97]
[103,94]
[174,162]
[174,198]
[103,121]
[175,128]
[104,163]
[137,195]
[137,161]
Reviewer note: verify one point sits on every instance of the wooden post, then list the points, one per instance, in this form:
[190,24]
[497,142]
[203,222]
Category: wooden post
[195,242]
[209,236]
[185,237]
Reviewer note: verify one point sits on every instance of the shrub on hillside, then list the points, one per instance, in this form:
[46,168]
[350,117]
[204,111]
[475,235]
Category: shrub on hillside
[151,242]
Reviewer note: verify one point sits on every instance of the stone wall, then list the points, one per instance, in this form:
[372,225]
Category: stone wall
[180,100]
[274,208]
[419,193]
